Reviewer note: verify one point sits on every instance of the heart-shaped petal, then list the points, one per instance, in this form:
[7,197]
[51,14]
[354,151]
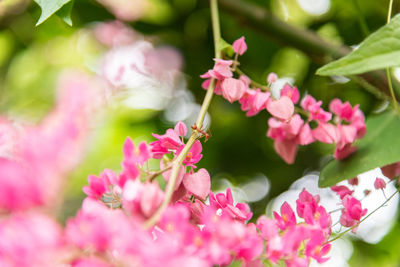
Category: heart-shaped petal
[198,183]
[283,108]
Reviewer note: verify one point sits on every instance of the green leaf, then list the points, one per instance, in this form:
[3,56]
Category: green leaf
[49,7]
[378,51]
[225,48]
[65,12]
[379,147]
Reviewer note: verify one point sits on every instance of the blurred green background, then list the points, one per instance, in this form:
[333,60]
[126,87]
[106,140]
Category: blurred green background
[31,58]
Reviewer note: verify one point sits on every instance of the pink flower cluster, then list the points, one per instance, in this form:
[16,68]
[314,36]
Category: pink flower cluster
[352,211]
[109,230]
[192,233]
[294,242]
[287,127]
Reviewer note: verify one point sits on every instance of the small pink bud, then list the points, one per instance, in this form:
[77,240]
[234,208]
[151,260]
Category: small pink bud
[239,46]
[379,183]
[272,77]
[180,129]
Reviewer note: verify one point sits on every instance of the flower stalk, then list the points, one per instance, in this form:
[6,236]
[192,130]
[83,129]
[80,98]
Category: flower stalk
[199,123]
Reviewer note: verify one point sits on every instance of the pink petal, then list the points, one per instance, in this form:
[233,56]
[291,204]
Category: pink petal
[180,129]
[198,183]
[233,89]
[287,150]
[379,183]
[239,46]
[305,137]
[128,147]
[152,197]
[283,108]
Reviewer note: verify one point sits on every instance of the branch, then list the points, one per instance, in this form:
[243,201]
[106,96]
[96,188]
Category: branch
[199,123]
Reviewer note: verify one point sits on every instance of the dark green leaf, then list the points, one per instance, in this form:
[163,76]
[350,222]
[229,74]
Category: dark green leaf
[379,147]
[49,7]
[379,50]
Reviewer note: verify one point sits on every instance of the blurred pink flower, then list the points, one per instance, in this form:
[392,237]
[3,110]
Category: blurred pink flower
[128,10]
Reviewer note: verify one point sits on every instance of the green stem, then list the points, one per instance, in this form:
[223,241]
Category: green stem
[370,88]
[395,104]
[361,19]
[354,226]
[389,15]
[153,175]
[252,82]
[199,123]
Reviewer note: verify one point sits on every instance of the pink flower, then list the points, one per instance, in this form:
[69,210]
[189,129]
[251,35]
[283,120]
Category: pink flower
[346,134]
[325,133]
[291,92]
[270,232]
[239,46]
[292,238]
[317,247]
[23,235]
[379,183]
[42,154]
[222,69]
[288,135]
[239,212]
[96,187]
[206,84]
[253,101]
[132,159]
[89,262]
[180,129]
[281,131]
[352,212]
[114,33]
[95,227]
[282,108]
[272,77]
[142,199]
[193,156]
[169,141]
[306,200]
[316,112]
[343,110]
[287,217]
[233,89]
[305,136]
[342,190]
[318,218]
